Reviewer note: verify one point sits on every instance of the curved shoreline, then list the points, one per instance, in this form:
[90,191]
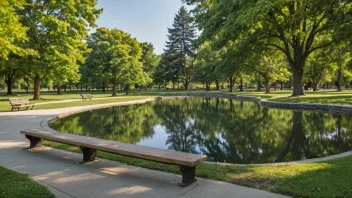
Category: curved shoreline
[325,108]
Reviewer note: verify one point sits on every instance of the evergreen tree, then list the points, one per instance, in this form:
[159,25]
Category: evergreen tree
[179,47]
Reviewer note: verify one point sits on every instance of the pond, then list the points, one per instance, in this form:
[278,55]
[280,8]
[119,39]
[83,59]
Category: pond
[223,129]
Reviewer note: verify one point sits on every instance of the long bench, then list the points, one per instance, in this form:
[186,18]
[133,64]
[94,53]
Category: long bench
[18,103]
[90,145]
[86,96]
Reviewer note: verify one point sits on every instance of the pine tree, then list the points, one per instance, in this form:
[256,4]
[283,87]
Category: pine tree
[180,47]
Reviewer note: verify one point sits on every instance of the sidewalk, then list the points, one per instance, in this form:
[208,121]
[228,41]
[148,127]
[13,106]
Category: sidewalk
[60,172]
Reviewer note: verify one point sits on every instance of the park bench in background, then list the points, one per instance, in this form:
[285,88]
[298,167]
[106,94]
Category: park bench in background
[90,145]
[18,103]
[86,96]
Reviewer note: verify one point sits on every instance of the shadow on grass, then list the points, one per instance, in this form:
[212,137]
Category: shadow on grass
[335,180]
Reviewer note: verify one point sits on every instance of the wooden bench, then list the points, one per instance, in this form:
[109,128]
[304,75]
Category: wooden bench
[90,145]
[18,103]
[86,96]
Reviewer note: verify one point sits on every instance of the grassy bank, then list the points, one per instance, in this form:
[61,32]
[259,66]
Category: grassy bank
[13,184]
[324,179]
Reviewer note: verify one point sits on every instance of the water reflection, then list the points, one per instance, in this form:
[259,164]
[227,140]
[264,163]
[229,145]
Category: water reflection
[224,130]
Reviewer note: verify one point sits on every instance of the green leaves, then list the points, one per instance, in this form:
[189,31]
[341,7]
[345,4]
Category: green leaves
[116,56]
[11,30]
[294,28]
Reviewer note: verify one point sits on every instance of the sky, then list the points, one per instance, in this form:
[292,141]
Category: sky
[146,20]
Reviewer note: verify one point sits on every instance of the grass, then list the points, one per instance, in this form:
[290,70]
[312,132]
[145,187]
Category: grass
[322,179]
[13,184]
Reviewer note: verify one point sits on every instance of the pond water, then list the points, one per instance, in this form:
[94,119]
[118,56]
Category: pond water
[225,130]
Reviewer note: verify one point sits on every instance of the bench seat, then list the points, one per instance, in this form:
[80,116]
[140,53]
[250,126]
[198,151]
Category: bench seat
[89,146]
[87,96]
[18,103]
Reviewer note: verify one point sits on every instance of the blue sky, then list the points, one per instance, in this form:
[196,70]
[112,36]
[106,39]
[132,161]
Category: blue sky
[146,20]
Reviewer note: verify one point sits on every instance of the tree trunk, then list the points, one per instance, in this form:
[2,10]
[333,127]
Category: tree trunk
[9,84]
[186,83]
[231,84]
[36,95]
[241,84]
[267,85]
[297,83]
[259,85]
[315,86]
[339,74]
[217,85]
[58,89]
[281,86]
[114,88]
[207,86]
[127,90]
[104,89]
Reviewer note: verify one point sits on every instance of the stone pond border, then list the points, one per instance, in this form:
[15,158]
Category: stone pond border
[325,108]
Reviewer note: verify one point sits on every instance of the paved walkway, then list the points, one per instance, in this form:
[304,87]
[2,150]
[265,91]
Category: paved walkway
[60,172]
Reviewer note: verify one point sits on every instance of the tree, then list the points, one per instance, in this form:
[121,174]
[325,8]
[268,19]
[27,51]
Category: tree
[205,65]
[9,70]
[149,59]
[180,47]
[319,67]
[160,74]
[291,27]
[11,30]
[270,66]
[56,29]
[118,56]
[342,58]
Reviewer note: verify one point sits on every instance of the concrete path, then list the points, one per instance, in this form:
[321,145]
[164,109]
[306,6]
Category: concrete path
[60,172]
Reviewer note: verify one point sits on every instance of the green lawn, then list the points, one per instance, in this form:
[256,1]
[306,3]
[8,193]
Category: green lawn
[323,179]
[13,184]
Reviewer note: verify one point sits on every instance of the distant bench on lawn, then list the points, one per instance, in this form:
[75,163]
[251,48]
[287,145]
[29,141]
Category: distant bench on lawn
[18,103]
[86,96]
[90,145]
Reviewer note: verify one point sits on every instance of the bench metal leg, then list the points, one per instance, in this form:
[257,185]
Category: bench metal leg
[89,154]
[188,175]
[34,141]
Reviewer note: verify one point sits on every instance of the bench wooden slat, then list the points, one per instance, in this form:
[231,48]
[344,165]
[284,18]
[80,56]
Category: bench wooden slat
[137,151]
[18,103]
[86,96]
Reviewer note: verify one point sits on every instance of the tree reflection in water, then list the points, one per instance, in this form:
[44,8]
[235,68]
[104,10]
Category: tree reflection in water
[223,129]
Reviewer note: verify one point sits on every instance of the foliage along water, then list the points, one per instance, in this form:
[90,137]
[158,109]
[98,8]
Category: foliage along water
[225,130]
